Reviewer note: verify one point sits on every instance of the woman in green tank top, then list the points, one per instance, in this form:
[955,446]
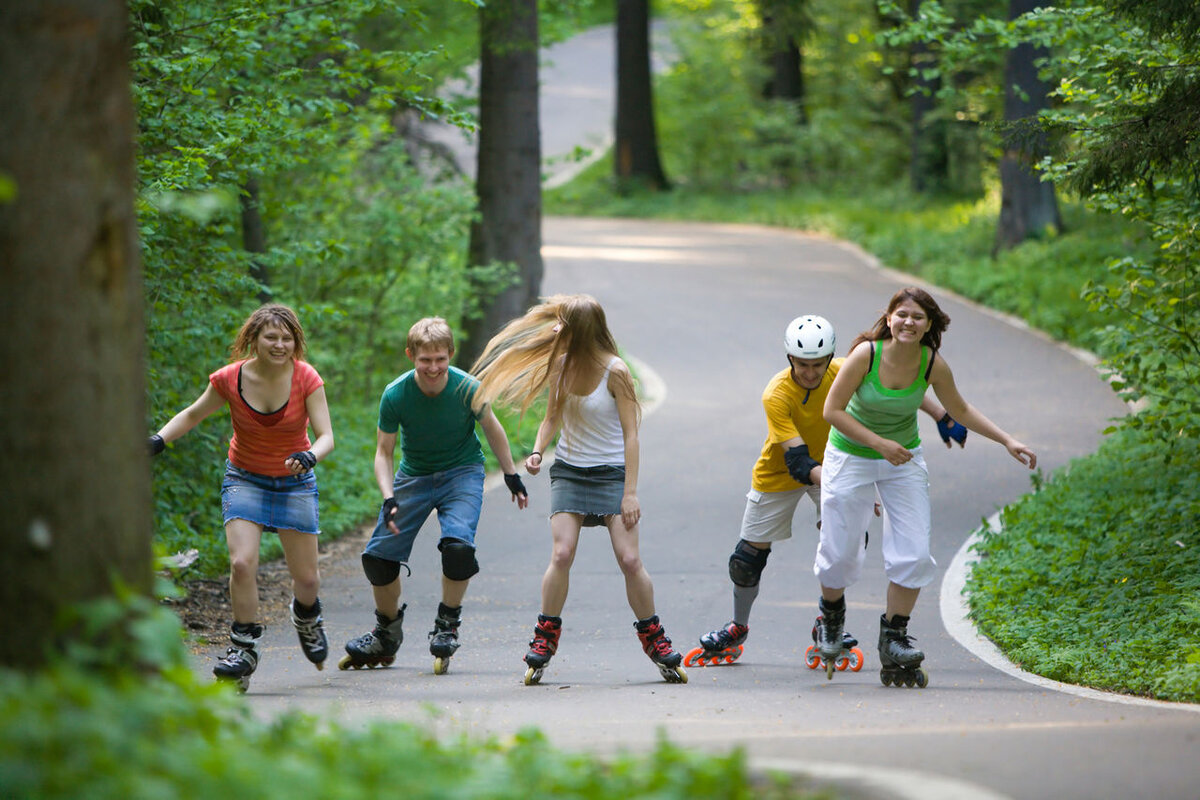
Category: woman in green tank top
[874,450]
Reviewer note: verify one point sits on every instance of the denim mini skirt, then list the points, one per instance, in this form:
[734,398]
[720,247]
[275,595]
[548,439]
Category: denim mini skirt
[594,492]
[286,503]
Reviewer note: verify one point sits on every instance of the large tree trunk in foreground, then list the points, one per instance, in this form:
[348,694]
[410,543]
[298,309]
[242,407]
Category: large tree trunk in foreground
[73,464]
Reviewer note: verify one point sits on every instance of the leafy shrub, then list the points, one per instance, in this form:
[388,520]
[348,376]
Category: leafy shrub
[122,716]
[1099,587]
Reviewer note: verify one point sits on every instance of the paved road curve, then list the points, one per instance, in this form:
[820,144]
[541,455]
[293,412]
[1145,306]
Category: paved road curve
[704,307]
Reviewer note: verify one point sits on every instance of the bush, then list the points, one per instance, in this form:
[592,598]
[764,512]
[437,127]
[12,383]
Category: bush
[1100,588]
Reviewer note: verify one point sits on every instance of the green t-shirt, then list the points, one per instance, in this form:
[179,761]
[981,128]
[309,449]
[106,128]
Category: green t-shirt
[436,433]
[891,413]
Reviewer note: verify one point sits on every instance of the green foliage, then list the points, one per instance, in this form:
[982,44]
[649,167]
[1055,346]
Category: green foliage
[1094,579]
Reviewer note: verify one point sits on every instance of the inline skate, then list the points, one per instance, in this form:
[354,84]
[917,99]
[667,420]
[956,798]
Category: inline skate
[443,639]
[542,647]
[377,648]
[241,659]
[658,647]
[311,630]
[899,660]
[721,646]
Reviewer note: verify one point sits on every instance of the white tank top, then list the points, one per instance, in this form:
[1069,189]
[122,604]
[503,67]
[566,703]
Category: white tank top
[591,433]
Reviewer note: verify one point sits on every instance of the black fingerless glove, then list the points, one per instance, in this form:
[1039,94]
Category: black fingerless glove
[306,458]
[389,509]
[155,445]
[515,485]
[800,464]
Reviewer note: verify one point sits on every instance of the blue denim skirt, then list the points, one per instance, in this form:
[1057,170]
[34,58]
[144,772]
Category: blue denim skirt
[288,503]
[594,492]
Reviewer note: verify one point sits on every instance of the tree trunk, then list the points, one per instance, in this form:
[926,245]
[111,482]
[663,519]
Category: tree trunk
[73,462]
[636,160]
[781,34]
[1028,205]
[929,164]
[508,174]
[254,237]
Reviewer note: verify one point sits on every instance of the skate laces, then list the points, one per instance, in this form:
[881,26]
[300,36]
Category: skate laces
[309,630]
[656,640]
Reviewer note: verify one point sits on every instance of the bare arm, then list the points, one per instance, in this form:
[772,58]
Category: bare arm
[631,510]
[498,440]
[942,381]
[385,467]
[848,379]
[208,402]
[318,417]
[548,428]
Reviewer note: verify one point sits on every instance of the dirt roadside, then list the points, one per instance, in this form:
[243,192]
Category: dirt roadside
[205,611]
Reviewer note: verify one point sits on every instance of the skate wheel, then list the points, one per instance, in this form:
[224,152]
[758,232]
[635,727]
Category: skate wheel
[441,666]
[842,662]
[694,657]
[921,678]
[812,659]
[532,676]
[856,659]
[681,675]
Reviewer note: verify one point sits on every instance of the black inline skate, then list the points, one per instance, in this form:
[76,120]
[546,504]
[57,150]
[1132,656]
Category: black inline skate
[658,647]
[241,659]
[311,630]
[443,639]
[721,646]
[542,647]
[829,640]
[377,648]
[899,660]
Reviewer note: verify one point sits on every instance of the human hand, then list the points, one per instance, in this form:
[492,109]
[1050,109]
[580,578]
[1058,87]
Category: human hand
[533,464]
[301,461]
[155,445]
[1022,453]
[631,510]
[895,453]
[519,493]
[949,429]
[389,509]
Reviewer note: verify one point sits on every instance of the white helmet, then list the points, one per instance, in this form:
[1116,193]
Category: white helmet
[809,337]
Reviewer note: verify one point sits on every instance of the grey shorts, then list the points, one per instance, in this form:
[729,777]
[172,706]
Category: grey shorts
[594,492]
[768,515]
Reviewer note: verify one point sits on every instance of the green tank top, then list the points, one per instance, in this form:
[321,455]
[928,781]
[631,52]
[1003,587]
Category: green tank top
[891,413]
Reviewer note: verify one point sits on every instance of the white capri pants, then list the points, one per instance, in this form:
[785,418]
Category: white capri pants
[848,490]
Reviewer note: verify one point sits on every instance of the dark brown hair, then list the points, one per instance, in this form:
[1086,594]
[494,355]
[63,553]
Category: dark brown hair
[938,319]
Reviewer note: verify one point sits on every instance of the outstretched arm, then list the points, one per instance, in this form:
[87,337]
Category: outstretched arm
[942,381]
[193,415]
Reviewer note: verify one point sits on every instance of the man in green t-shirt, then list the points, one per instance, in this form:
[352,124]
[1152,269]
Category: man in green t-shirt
[441,470]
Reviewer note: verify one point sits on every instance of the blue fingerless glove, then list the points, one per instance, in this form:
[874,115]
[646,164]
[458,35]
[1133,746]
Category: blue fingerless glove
[949,429]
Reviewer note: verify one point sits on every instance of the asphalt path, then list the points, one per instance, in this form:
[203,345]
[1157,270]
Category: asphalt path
[701,310]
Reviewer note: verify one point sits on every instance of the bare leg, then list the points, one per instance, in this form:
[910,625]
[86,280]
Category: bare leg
[564,530]
[387,598]
[453,592]
[639,589]
[243,538]
[901,600]
[300,552]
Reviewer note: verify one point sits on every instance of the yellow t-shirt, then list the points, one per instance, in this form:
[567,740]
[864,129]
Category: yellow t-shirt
[792,411]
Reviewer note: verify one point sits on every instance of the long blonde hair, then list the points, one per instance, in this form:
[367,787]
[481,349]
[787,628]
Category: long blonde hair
[515,367]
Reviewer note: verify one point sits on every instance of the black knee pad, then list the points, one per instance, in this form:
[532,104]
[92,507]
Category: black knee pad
[747,563]
[458,559]
[380,571]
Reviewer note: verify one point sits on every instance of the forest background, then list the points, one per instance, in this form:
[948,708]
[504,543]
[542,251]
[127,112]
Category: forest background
[278,158]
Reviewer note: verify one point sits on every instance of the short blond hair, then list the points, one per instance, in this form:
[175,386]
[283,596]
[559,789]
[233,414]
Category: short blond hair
[430,332]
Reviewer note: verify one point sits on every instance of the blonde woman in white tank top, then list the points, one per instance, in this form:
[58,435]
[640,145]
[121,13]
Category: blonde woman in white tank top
[563,345]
